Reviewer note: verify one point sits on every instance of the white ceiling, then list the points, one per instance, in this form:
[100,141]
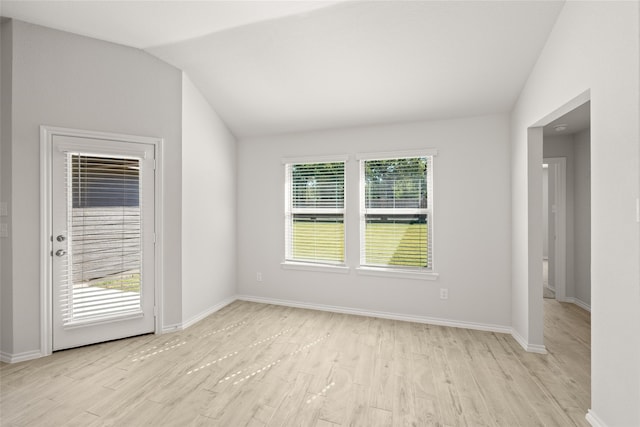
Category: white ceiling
[574,121]
[147,23]
[275,67]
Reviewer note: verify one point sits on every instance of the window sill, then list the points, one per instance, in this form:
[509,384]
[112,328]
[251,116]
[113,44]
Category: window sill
[391,272]
[325,268]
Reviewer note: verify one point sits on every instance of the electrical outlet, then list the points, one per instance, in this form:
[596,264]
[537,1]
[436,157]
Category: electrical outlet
[444,293]
[259,277]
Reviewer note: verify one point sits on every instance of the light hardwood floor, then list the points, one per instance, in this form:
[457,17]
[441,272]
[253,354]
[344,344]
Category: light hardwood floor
[262,365]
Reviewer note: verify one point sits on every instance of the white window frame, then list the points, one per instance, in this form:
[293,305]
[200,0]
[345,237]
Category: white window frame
[289,262]
[428,273]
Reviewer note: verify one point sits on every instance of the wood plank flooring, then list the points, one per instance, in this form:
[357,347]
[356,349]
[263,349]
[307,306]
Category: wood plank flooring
[262,365]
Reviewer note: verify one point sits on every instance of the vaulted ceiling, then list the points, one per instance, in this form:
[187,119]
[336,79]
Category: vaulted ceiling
[271,67]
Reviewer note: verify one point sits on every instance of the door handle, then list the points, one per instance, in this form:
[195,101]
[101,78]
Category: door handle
[61,252]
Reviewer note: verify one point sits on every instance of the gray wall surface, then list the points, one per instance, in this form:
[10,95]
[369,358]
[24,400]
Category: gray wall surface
[582,216]
[208,207]
[65,80]
[592,49]
[471,221]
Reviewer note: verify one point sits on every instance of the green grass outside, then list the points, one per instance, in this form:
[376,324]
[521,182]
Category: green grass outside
[318,240]
[125,282]
[396,244]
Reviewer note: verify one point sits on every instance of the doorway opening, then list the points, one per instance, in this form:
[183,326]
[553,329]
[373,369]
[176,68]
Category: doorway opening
[567,207]
[535,156]
[561,196]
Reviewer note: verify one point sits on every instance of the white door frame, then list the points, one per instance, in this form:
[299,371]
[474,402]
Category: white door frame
[535,313]
[46,265]
[559,165]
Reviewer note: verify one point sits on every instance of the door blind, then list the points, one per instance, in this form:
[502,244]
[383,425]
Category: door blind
[103,264]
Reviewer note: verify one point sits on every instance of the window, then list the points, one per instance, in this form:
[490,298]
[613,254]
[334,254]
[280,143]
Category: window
[314,212]
[396,226]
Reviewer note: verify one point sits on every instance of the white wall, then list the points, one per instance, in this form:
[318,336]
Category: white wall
[61,79]
[471,220]
[582,217]
[208,207]
[594,46]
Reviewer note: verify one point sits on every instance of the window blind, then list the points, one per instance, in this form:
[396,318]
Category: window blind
[103,263]
[314,212]
[395,212]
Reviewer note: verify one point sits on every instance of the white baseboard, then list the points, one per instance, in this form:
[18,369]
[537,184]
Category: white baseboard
[583,305]
[19,357]
[29,355]
[198,317]
[380,314]
[208,312]
[174,327]
[593,419]
[531,348]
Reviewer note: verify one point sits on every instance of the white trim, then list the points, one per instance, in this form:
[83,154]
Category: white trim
[159,236]
[108,136]
[46,324]
[198,317]
[397,272]
[583,305]
[397,154]
[20,357]
[316,159]
[317,211]
[380,314]
[46,143]
[75,147]
[531,348]
[175,327]
[323,268]
[594,420]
